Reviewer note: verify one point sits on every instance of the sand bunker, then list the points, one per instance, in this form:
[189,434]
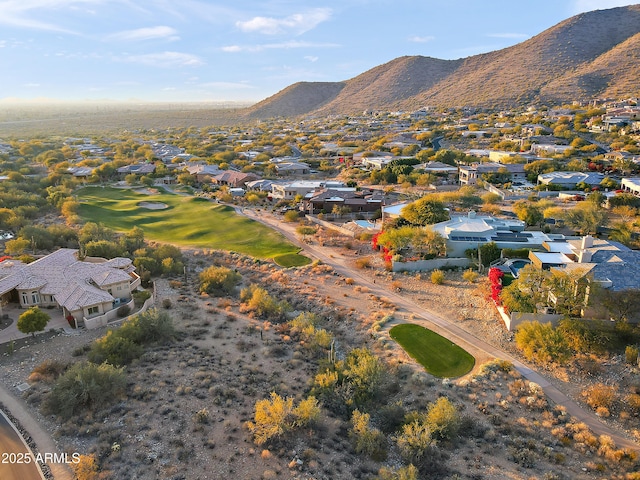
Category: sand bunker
[153,205]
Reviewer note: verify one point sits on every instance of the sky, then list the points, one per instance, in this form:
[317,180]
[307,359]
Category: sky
[242,50]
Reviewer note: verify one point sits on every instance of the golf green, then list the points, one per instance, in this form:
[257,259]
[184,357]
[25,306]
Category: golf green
[438,355]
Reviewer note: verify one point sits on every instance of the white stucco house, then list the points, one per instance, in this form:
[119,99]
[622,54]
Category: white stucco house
[83,289]
[470,231]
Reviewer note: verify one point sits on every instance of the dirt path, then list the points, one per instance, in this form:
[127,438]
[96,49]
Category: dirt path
[477,347]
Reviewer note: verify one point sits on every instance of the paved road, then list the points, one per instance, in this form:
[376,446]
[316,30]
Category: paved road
[466,339]
[16,460]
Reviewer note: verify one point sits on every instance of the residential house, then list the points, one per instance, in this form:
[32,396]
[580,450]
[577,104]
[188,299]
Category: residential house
[203,171]
[292,168]
[137,169]
[570,179]
[610,265]
[81,288]
[234,179]
[464,232]
[356,201]
[469,174]
[631,185]
[289,191]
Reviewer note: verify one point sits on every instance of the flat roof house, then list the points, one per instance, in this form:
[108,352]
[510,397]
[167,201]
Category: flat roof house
[463,232]
[570,179]
[82,288]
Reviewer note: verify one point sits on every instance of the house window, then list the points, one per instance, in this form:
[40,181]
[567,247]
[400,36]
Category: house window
[93,310]
[25,298]
[35,298]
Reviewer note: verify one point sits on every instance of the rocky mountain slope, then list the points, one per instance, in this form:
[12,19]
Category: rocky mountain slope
[593,54]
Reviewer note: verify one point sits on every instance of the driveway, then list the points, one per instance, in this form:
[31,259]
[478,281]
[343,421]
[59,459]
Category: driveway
[13,311]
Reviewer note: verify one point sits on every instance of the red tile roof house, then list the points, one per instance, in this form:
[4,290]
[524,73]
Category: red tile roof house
[89,290]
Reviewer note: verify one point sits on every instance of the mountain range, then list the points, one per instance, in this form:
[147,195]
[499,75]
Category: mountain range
[591,55]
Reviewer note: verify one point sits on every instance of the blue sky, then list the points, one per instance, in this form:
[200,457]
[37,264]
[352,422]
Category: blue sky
[243,50]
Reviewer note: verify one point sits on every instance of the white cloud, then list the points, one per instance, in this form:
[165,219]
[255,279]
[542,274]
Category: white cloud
[579,6]
[163,59]
[276,46]
[19,13]
[32,85]
[514,36]
[311,58]
[148,33]
[297,23]
[417,39]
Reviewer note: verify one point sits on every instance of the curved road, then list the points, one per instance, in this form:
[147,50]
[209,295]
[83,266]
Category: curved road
[16,461]
[451,331]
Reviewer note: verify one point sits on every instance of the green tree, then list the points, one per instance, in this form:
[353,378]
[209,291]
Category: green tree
[528,212]
[586,218]
[489,252]
[304,230]
[425,211]
[542,343]
[33,320]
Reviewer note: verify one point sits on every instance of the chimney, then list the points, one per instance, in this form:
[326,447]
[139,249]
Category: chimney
[584,256]
[587,242]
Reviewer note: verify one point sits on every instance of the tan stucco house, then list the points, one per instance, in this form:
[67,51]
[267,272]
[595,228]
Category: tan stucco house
[83,289]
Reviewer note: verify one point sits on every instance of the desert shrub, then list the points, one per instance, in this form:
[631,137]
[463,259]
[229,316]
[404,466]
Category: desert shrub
[275,416]
[350,383]
[48,371]
[632,402]
[631,354]
[437,277]
[542,343]
[291,216]
[151,326]
[166,303]
[257,299]
[123,311]
[409,472]
[366,439]
[470,276]
[201,416]
[86,468]
[218,280]
[85,386]
[390,417]
[443,418]
[600,395]
[363,262]
[114,349]
[415,440]
[307,412]
[123,345]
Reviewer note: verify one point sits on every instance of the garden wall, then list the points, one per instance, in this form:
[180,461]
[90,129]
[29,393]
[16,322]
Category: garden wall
[427,265]
[103,320]
[514,319]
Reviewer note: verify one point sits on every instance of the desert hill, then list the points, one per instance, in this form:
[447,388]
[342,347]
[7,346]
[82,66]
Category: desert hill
[594,54]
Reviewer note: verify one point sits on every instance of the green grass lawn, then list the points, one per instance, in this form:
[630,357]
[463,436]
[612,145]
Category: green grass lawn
[187,221]
[439,356]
